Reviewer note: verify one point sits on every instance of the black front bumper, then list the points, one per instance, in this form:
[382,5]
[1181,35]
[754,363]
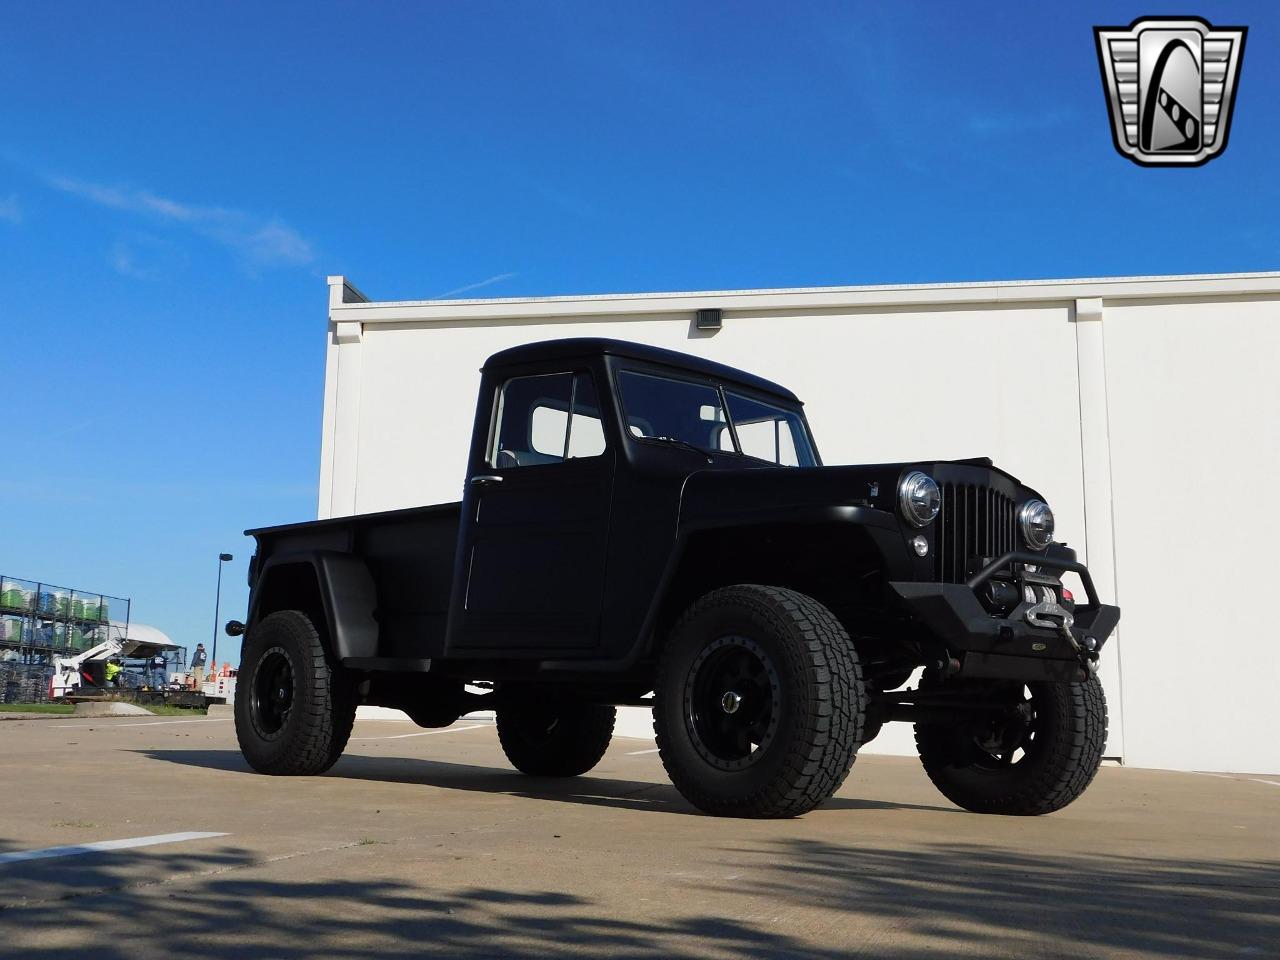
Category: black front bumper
[982,644]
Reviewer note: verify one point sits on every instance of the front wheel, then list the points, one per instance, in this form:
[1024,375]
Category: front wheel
[294,710]
[760,703]
[1034,753]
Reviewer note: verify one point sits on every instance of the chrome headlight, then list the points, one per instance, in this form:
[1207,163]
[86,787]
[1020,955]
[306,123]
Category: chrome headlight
[919,498]
[1036,520]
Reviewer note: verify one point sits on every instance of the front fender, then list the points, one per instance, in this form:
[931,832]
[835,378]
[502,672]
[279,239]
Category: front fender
[759,516]
[881,529]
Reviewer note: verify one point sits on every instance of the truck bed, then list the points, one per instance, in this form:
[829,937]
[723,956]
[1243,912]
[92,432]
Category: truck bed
[435,509]
[411,556]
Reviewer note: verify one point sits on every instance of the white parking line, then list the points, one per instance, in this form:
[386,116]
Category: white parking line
[426,733]
[1228,776]
[103,845]
[144,723]
[640,753]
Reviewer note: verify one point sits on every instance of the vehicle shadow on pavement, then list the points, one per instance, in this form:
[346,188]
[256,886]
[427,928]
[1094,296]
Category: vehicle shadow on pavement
[936,900]
[219,904]
[1008,903]
[588,790]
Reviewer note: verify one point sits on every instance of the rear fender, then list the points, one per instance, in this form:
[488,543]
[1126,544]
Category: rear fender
[335,589]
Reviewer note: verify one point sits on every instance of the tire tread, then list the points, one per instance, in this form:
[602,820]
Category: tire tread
[820,756]
[573,751]
[1080,724]
[327,714]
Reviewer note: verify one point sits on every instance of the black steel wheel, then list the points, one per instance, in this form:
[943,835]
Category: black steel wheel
[271,693]
[295,709]
[1033,752]
[555,740]
[730,699]
[760,703]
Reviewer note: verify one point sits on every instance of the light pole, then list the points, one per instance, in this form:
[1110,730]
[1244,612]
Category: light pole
[217,604]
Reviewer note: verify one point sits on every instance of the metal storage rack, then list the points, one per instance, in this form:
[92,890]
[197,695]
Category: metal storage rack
[40,621]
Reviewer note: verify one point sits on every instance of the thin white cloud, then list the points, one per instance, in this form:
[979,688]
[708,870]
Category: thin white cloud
[142,201]
[145,256]
[259,241]
[496,278]
[275,242]
[125,263]
[128,260]
[9,209]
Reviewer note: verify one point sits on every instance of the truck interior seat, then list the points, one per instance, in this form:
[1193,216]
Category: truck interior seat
[524,458]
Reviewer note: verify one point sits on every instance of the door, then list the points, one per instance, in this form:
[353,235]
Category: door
[536,525]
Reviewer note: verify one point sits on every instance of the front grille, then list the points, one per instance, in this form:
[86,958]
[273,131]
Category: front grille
[975,522]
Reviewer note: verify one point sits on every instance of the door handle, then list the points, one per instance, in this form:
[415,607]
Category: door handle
[486,478]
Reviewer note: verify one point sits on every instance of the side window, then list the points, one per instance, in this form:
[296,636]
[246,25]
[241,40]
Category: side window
[535,425]
[766,432]
[769,439]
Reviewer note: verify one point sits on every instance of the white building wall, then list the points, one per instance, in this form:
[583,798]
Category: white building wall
[1195,415]
[1084,389]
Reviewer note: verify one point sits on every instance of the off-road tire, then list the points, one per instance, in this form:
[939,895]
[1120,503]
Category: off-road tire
[565,740]
[312,736]
[1070,739]
[820,703]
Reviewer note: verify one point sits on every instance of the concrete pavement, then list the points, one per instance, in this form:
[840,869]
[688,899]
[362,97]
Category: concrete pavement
[426,843]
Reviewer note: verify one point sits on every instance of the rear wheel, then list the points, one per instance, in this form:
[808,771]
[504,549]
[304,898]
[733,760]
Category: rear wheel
[294,710]
[564,740]
[760,703]
[1034,753]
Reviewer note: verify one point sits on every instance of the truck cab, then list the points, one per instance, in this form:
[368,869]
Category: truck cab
[644,527]
[576,480]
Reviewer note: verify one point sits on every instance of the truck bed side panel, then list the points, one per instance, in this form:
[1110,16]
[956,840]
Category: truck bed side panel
[410,554]
[412,564]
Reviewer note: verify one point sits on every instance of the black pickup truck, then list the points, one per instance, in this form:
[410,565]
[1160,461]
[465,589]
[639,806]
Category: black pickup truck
[643,527]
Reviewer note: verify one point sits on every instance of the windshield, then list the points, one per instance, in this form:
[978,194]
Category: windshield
[693,412]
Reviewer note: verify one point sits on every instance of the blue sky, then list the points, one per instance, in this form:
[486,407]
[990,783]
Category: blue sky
[177,179]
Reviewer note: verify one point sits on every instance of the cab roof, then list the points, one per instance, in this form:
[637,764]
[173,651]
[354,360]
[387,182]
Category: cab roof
[580,347]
